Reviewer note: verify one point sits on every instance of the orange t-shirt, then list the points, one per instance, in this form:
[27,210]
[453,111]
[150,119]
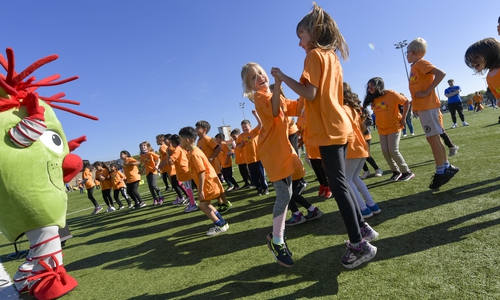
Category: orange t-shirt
[208,145]
[358,148]
[198,162]
[117,179]
[477,98]
[239,155]
[87,174]
[420,80]
[292,126]
[180,163]
[387,113]
[327,123]
[250,141]
[149,161]
[164,156]
[225,156]
[312,151]
[131,172]
[275,151]
[106,182]
[493,80]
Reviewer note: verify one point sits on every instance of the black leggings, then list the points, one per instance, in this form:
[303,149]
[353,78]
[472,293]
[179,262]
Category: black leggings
[177,187]
[165,177]
[333,158]
[106,194]
[228,176]
[245,174]
[370,159]
[132,190]
[317,167]
[124,194]
[297,198]
[446,139]
[90,195]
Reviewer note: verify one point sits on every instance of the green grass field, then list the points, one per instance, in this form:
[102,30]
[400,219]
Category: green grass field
[432,245]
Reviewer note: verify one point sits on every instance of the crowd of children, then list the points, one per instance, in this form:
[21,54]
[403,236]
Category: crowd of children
[331,123]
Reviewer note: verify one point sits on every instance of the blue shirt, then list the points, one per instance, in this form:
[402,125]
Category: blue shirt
[456,98]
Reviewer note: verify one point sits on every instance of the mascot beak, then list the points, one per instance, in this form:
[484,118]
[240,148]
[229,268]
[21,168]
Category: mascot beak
[72,165]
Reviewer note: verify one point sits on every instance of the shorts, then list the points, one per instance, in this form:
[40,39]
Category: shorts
[430,122]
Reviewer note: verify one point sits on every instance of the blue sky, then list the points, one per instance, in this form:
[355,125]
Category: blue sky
[151,67]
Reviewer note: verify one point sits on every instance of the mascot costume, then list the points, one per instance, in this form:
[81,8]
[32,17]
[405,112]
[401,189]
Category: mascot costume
[34,165]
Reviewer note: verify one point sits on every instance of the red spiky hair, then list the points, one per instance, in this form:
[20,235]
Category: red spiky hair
[14,85]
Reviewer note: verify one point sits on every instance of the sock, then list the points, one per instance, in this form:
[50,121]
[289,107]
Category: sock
[311,208]
[217,214]
[446,164]
[221,222]
[278,240]
[440,169]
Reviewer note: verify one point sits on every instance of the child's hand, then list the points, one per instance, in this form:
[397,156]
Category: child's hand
[276,72]
[254,112]
[201,195]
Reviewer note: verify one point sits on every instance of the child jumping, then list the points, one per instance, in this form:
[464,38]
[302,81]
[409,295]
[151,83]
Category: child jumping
[424,77]
[89,185]
[209,185]
[178,158]
[131,170]
[118,181]
[327,123]
[150,162]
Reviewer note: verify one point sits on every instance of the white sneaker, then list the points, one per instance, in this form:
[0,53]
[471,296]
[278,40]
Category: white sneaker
[378,172]
[216,230]
[110,209]
[453,151]
[365,174]
[454,126]
[412,133]
[465,123]
[404,135]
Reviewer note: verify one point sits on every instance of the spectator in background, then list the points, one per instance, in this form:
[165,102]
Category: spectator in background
[455,103]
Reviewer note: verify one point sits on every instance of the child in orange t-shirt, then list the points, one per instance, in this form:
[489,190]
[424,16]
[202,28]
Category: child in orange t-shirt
[89,184]
[240,159]
[225,158]
[118,182]
[178,158]
[102,174]
[203,173]
[211,150]
[274,148]
[131,171]
[248,141]
[390,122]
[357,152]
[150,162]
[160,141]
[328,125]
[176,184]
[424,78]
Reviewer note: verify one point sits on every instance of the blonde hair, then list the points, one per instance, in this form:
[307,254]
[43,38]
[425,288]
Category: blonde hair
[324,32]
[418,45]
[248,91]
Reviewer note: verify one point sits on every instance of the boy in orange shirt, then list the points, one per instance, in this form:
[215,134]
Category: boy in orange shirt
[209,185]
[150,161]
[160,141]
[211,150]
[240,159]
[225,157]
[248,141]
[118,182]
[424,77]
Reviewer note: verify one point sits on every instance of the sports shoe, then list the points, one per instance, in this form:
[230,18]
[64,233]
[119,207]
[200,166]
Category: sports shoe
[130,205]
[216,229]
[296,219]
[406,176]
[454,126]
[328,193]
[161,200]
[300,187]
[465,123]
[441,179]
[452,151]
[191,208]
[375,209]
[313,215]
[224,207]
[270,238]
[355,256]
[321,190]
[184,201]
[367,213]
[412,133]
[109,209]
[142,204]
[404,135]
[97,209]
[453,169]
[368,233]
[265,192]
[236,188]
[179,201]
[395,176]
[121,207]
[281,254]
[379,172]
[155,202]
[364,175]
[229,188]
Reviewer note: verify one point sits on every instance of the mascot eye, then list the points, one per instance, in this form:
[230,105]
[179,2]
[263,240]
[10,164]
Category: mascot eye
[53,141]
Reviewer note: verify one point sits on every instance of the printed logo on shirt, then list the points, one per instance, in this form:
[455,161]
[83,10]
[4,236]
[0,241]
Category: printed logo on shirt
[413,77]
[498,90]
[379,106]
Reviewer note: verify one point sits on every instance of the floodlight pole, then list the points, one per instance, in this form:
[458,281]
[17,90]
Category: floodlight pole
[242,106]
[401,45]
